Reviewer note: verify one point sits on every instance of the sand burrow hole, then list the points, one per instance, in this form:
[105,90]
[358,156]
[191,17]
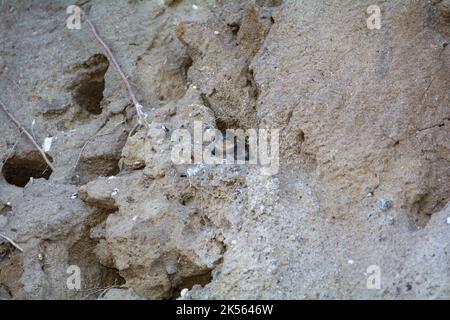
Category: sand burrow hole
[19,169]
[89,84]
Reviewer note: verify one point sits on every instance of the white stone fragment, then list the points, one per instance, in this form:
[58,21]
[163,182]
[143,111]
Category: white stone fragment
[184,293]
[193,171]
[110,179]
[47,145]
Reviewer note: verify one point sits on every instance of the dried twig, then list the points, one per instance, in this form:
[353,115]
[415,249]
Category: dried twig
[133,130]
[102,290]
[32,128]
[11,151]
[14,244]
[139,109]
[92,138]
[426,90]
[29,136]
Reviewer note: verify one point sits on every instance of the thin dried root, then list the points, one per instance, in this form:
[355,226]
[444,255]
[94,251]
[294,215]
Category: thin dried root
[29,136]
[12,242]
[141,114]
[74,168]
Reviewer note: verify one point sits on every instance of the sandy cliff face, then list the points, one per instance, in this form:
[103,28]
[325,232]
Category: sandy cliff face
[364,171]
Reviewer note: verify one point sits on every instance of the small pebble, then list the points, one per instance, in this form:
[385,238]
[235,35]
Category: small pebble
[448,220]
[74,196]
[216,33]
[115,192]
[171,269]
[110,179]
[184,292]
[351,262]
[384,204]
[195,7]
[391,221]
